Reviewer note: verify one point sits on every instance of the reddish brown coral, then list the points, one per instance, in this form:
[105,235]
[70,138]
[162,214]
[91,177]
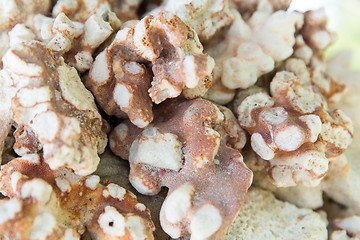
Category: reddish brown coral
[189,141]
[50,99]
[48,204]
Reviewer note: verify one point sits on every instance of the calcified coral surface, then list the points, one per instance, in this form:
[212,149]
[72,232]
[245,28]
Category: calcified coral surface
[49,204]
[189,140]
[195,98]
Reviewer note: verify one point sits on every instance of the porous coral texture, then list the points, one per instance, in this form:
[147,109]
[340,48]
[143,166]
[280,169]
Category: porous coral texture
[293,131]
[251,48]
[265,217]
[188,141]
[345,229]
[48,204]
[121,86]
[81,10]
[173,48]
[13,12]
[315,33]
[25,141]
[342,184]
[50,99]
[206,17]
[76,41]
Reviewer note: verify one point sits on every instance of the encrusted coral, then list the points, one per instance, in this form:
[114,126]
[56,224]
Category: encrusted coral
[284,127]
[49,98]
[59,204]
[188,140]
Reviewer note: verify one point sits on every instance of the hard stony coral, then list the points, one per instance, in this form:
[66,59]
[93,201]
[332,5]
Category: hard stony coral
[121,81]
[49,98]
[14,12]
[284,126]
[188,141]
[251,48]
[81,10]
[175,52]
[76,41]
[121,86]
[206,17]
[58,204]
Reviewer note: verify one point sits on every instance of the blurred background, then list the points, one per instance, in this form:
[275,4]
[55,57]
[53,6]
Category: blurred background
[343,19]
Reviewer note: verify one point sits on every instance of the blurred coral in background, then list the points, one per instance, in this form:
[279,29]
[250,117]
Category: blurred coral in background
[344,19]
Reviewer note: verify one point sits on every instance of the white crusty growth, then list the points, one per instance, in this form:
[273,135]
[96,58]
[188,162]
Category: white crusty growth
[149,149]
[38,207]
[121,87]
[206,17]
[251,48]
[58,33]
[54,104]
[315,32]
[264,217]
[280,136]
[346,229]
[294,90]
[13,12]
[178,62]
[188,140]
[78,39]
[284,126]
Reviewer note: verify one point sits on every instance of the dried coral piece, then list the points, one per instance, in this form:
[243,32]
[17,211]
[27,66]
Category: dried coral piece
[313,92]
[248,7]
[60,204]
[112,168]
[336,132]
[189,140]
[346,229]
[316,76]
[342,183]
[265,217]
[81,10]
[273,128]
[251,48]
[283,126]
[51,100]
[25,141]
[10,38]
[121,86]
[13,12]
[206,17]
[58,33]
[5,112]
[315,32]
[175,51]
[76,40]
[326,85]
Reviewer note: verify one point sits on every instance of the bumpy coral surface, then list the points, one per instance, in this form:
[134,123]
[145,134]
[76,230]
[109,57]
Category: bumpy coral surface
[293,129]
[49,98]
[189,140]
[190,93]
[58,204]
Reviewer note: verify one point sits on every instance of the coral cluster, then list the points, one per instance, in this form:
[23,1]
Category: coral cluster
[200,100]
